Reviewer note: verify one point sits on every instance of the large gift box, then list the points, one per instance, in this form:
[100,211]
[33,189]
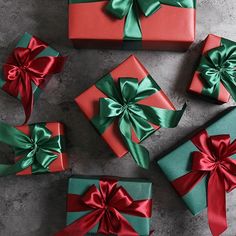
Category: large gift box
[109,206]
[215,76]
[28,69]
[39,148]
[203,168]
[135,24]
[126,106]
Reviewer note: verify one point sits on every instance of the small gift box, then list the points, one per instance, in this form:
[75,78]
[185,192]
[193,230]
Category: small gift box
[216,73]
[136,24]
[203,168]
[39,148]
[126,106]
[28,69]
[108,206]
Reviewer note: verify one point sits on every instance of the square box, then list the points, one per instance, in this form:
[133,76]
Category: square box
[88,102]
[197,85]
[138,190]
[171,27]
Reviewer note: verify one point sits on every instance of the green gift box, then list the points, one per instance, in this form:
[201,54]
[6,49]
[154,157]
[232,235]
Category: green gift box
[139,191]
[28,69]
[177,163]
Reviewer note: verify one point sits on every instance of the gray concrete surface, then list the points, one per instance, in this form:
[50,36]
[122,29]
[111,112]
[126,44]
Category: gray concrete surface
[35,205]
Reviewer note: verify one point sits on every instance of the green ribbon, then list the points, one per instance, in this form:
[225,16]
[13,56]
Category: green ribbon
[122,104]
[130,9]
[37,151]
[219,66]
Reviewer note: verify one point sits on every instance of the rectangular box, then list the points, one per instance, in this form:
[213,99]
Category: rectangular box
[172,27]
[138,190]
[177,162]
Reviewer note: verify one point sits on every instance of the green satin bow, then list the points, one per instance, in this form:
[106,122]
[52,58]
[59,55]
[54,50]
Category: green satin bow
[122,103]
[37,151]
[219,66]
[130,9]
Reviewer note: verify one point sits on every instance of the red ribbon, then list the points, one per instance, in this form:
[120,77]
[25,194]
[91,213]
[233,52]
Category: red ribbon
[106,205]
[212,160]
[23,67]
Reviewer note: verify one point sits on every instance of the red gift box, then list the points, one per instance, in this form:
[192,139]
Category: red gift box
[88,102]
[197,85]
[61,162]
[170,28]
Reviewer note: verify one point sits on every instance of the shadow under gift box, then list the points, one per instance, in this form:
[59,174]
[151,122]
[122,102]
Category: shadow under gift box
[169,28]
[177,163]
[88,102]
[24,42]
[61,162]
[136,188]
[197,85]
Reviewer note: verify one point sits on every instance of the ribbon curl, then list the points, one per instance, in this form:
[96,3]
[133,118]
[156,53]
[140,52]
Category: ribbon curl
[105,205]
[219,66]
[38,150]
[213,160]
[23,68]
[122,104]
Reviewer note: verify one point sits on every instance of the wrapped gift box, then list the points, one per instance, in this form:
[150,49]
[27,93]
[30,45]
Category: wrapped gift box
[138,190]
[37,50]
[88,102]
[39,148]
[170,27]
[177,163]
[198,85]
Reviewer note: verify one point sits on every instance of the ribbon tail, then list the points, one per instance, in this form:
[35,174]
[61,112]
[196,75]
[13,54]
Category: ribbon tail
[230,85]
[83,225]
[132,28]
[216,204]
[138,152]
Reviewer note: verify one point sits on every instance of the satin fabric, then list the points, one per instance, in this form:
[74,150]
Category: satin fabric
[122,104]
[219,66]
[106,206]
[38,150]
[23,68]
[213,160]
[131,10]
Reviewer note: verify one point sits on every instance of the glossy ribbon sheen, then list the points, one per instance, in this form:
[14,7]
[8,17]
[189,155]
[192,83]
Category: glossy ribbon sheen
[23,68]
[122,103]
[38,151]
[106,206]
[219,66]
[213,160]
[130,9]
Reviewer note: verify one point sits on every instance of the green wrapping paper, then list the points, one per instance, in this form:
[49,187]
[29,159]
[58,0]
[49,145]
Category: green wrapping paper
[177,163]
[23,42]
[137,189]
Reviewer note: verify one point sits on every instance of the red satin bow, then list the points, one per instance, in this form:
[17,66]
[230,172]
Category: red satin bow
[106,206]
[23,67]
[213,159]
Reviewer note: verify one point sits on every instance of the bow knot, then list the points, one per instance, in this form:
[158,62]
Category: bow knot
[219,66]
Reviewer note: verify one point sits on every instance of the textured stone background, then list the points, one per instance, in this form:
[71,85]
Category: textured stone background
[35,205]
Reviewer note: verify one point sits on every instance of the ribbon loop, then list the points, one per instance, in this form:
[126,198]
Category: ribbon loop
[23,68]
